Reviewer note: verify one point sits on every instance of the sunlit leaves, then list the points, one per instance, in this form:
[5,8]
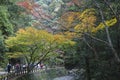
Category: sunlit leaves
[87,19]
[64,39]
[42,41]
[74,19]
[16,54]
[80,22]
[109,23]
[69,35]
[30,36]
[59,38]
[69,18]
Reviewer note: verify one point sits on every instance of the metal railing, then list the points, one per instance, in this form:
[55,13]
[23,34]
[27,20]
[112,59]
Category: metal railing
[14,74]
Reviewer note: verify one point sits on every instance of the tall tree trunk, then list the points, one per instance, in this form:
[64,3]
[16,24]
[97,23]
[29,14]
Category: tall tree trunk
[108,35]
[87,68]
[116,14]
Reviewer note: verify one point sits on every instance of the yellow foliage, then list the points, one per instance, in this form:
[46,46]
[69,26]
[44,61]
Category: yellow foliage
[109,23]
[69,35]
[87,12]
[69,18]
[87,23]
[14,55]
[82,22]
[79,21]
[72,43]
[21,31]
[59,38]
[64,39]
[31,37]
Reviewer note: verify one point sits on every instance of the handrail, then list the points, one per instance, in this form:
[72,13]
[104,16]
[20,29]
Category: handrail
[13,74]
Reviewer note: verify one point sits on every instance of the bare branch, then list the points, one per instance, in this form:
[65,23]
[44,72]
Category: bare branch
[96,55]
[117,16]
[95,38]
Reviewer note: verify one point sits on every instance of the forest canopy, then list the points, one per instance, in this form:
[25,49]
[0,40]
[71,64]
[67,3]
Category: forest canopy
[75,34]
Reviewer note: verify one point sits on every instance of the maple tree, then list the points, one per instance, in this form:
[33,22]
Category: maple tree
[35,45]
[99,24]
[40,17]
[83,21]
[82,24]
[85,25]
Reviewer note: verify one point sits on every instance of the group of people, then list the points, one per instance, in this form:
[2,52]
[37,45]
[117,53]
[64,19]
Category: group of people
[17,67]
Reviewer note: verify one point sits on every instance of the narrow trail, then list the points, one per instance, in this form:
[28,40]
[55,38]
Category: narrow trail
[14,75]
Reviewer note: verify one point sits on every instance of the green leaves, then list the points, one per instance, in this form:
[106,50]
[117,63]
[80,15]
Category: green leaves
[35,45]
[5,24]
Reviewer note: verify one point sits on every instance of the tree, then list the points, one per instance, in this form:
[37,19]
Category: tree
[34,47]
[88,30]
[40,15]
[9,21]
[6,29]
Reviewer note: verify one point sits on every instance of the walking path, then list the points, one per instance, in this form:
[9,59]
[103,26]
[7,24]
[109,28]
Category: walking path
[65,78]
[2,72]
[14,75]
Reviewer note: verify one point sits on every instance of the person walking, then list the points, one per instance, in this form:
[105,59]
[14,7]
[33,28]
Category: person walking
[17,67]
[9,68]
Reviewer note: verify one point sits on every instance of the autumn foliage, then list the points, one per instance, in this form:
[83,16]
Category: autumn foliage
[81,22]
[31,37]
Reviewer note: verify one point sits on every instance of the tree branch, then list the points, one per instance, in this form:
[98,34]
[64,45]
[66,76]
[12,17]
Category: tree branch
[116,15]
[96,55]
[108,34]
[105,42]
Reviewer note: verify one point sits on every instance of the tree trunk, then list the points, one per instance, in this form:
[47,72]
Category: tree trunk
[108,35]
[87,68]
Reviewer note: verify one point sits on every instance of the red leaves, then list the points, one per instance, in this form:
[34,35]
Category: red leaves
[74,2]
[25,4]
[34,9]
